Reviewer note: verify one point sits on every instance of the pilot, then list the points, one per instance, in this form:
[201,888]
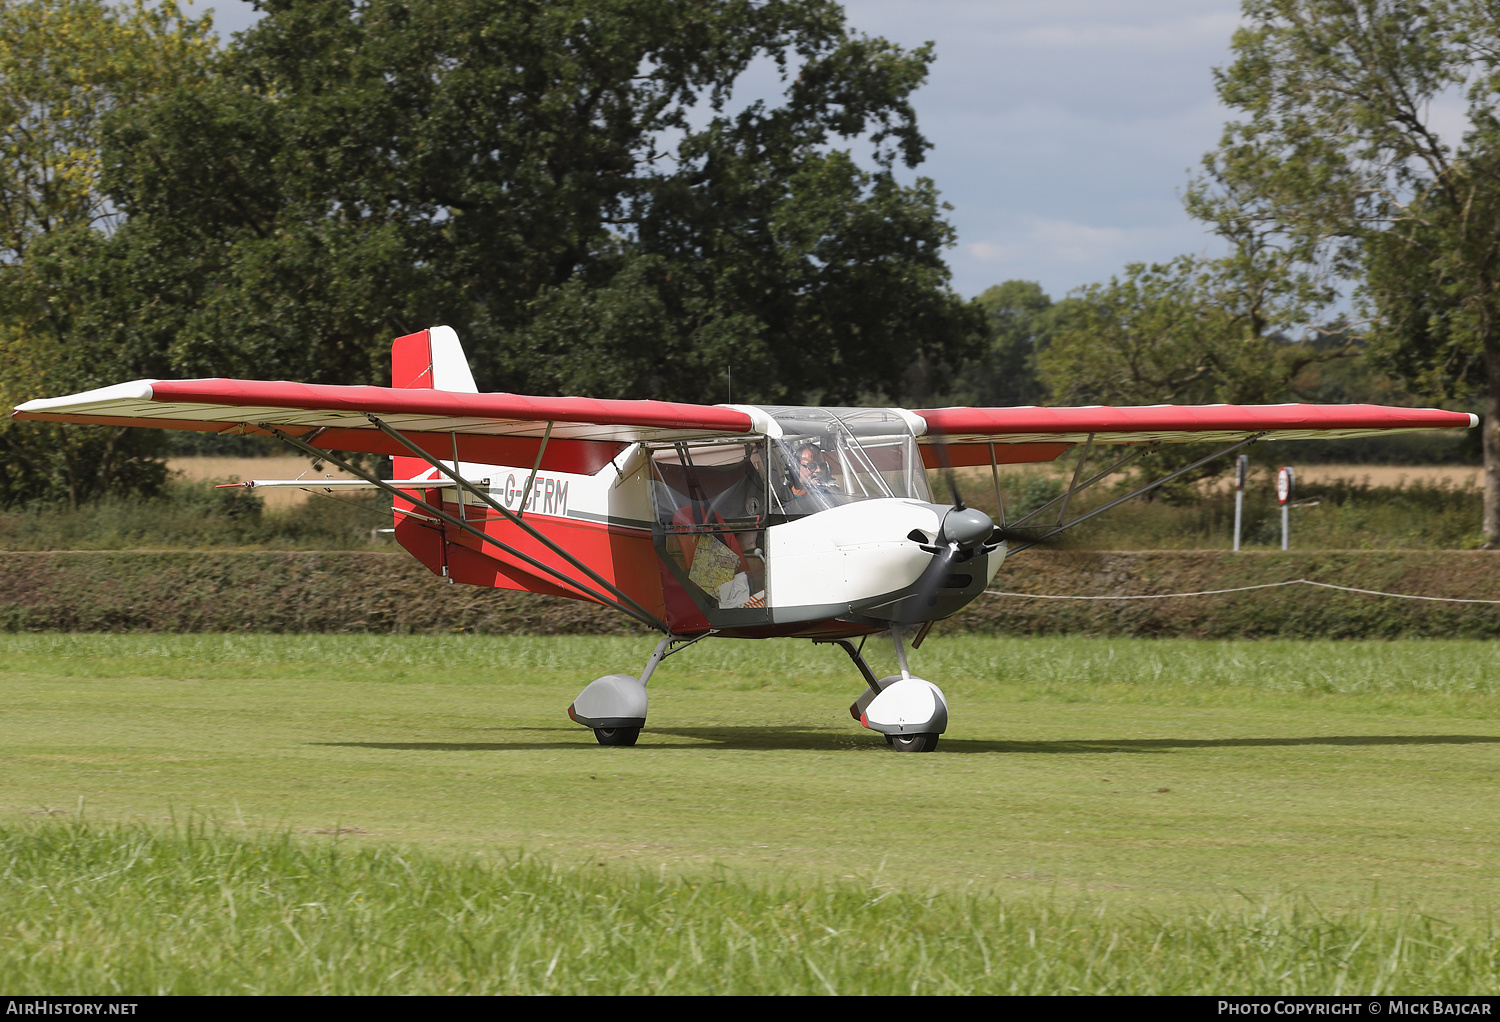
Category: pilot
[811,481]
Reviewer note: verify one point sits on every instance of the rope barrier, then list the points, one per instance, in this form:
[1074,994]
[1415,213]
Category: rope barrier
[1244,589]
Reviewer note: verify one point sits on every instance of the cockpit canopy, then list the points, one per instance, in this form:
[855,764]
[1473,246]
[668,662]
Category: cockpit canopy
[714,498]
[824,457]
[830,456]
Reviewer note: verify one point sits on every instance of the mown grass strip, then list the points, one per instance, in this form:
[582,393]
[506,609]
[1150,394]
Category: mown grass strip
[1159,669]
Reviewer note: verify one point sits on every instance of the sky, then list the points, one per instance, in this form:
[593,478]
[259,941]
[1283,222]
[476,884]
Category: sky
[1063,131]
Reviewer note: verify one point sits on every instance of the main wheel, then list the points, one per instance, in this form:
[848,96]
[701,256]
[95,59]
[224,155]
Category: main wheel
[913,743]
[617,735]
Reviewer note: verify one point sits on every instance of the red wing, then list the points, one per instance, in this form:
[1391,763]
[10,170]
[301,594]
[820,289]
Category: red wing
[1041,434]
[586,433]
[490,428]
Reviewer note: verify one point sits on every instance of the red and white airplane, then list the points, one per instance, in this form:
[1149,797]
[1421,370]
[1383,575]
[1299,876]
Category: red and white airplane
[740,521]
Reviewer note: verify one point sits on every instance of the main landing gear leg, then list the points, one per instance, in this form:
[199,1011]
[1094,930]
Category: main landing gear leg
[614,706]
[910,712]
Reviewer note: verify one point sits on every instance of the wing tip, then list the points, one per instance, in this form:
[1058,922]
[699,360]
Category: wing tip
[135,390]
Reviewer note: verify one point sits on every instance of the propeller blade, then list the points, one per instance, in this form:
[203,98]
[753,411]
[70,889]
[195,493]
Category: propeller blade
[945,461]
[931,581]
[1026,534]
[958,500]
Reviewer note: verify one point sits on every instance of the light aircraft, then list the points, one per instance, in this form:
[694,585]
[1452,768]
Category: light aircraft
[732,521]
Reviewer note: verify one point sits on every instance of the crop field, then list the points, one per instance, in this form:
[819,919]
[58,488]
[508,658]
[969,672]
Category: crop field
[391,814]
[204,470]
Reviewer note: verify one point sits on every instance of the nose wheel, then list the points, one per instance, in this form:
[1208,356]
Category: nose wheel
[909,713]
[912,743]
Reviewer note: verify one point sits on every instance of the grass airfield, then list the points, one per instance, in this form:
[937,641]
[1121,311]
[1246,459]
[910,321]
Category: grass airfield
[1253,802]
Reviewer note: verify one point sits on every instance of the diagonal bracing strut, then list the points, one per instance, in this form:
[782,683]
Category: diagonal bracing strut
[1133,493]
[620,595]
[631,609]
[1118,464]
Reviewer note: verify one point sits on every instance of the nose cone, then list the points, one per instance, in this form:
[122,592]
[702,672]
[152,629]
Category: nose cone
[967,527]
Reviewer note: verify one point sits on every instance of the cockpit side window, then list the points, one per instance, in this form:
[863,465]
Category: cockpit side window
[711,507]
[718,486]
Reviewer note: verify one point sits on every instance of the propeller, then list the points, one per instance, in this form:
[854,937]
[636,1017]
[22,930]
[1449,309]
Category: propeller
[997,534]
[962,534]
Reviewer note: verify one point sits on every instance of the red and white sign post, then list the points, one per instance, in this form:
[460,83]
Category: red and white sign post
[1284,480]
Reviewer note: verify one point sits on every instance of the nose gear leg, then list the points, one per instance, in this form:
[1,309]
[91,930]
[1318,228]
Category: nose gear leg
[910,712]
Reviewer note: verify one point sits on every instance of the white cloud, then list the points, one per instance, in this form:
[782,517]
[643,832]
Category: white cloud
[1052,241]
[986,252]
[1072,242]
[1179,34]
[1064,254]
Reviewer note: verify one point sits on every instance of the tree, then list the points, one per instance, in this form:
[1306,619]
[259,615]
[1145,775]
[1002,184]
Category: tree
[1341,156]
[66,65]
[570,184]
[1191,331]
[1018,319]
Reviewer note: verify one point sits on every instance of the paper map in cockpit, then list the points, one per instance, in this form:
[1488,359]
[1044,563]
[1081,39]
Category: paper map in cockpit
[714,564]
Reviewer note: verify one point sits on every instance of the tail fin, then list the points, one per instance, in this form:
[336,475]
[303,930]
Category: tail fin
[427,360]
[431,360]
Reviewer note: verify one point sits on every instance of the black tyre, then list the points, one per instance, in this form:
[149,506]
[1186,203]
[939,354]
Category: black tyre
[913,743]
[617,735]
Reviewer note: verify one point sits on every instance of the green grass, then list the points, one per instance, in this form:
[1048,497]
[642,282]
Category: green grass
[196,516]
[193,910]
[1103,815]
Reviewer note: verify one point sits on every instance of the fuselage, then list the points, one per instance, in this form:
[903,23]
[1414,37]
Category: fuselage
[744,536]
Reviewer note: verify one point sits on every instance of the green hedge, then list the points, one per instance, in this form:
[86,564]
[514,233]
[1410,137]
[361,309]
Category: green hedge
[1290,612]
[219,591]
[390,592]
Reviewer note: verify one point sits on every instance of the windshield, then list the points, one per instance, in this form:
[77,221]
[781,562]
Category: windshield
[831,456]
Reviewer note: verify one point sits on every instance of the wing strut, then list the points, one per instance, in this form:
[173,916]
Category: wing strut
[1077,487]
[999,500]
[1133,493]
[525,493]
[620,596]
[631,608]
[1073,486]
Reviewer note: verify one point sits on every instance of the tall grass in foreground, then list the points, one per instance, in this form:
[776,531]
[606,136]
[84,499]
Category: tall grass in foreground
[195,910]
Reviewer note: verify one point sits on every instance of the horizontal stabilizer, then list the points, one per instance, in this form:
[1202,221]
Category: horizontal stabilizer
[335,484]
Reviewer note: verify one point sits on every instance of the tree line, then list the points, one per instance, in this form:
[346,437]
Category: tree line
[572,184]
[576,186]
